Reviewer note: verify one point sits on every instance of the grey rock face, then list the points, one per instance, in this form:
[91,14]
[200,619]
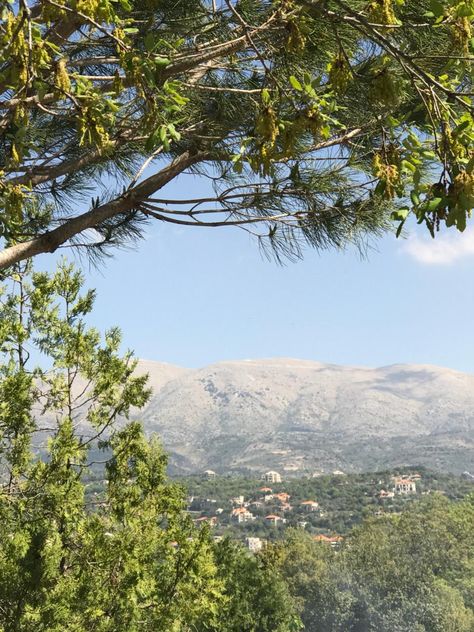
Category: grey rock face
[300,416]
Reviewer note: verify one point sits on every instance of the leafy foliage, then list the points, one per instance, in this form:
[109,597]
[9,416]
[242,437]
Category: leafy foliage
[404,573]
[259,596]
[316,122]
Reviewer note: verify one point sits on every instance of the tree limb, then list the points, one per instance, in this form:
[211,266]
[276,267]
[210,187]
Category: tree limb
[51,240]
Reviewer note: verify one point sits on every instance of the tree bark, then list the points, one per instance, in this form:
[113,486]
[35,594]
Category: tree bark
[51,240]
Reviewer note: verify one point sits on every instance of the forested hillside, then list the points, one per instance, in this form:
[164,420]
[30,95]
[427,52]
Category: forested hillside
[341,501]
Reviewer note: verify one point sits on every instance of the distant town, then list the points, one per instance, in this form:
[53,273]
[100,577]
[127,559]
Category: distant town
[258,510]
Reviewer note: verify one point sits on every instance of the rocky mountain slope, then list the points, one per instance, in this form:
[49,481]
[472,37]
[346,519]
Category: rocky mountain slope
[302,417]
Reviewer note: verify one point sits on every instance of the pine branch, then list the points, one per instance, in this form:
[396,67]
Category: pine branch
[50,241]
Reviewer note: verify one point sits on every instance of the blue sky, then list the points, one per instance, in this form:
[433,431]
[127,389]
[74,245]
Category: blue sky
[191,297]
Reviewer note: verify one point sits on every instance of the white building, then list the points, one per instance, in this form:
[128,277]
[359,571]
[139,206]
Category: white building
[309,505]
[254,544]
[241,514]
[209,474]
[405,486]
[273,519]
[271,477]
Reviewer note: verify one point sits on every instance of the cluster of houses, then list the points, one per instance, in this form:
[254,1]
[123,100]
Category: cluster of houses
[275,508]
[244,510]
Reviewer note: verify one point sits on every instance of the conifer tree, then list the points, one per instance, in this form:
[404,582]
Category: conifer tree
[127,559]
[316,121]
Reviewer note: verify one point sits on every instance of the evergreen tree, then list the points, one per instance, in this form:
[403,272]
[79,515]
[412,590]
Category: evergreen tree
[316,121]
[128,559]
[258,598]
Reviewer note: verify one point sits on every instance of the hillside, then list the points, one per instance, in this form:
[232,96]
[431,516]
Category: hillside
[302,417]
[343,501]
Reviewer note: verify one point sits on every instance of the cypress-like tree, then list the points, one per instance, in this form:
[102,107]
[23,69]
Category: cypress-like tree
[126,558]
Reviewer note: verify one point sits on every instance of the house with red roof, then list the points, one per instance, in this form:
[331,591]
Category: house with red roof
[334,540]
[282,497]
[273,519]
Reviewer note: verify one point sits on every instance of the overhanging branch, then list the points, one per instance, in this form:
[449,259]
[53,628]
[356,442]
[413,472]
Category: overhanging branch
[51,240]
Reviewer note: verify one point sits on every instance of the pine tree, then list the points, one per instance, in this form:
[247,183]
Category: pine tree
[316,121]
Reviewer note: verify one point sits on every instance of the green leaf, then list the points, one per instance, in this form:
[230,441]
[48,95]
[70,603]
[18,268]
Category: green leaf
[415,198]
[400,214]
[149,42]
[433,205]
[162,133]
[148,74]
[295,83]
[173,132]
[437,7]
[408,166]
[414,140]
[162,61]
[237,166]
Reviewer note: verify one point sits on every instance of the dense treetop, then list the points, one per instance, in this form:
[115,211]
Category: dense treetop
[314,120]
[407,573]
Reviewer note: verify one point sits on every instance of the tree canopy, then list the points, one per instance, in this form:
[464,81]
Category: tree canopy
[407,573]
[126,559]
[316,121]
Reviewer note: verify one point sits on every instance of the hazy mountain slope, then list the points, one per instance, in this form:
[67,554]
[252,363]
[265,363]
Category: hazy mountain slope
[305,416]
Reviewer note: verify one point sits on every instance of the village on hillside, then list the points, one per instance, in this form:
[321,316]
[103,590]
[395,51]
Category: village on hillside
[254,511]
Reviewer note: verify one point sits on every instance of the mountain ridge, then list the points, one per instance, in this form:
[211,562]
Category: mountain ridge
[303,416]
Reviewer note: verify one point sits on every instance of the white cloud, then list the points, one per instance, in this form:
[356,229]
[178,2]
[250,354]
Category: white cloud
[444,249]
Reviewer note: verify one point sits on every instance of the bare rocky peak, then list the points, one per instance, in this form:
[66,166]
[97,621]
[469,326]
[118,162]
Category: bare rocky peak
[301,416]
[160,373]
